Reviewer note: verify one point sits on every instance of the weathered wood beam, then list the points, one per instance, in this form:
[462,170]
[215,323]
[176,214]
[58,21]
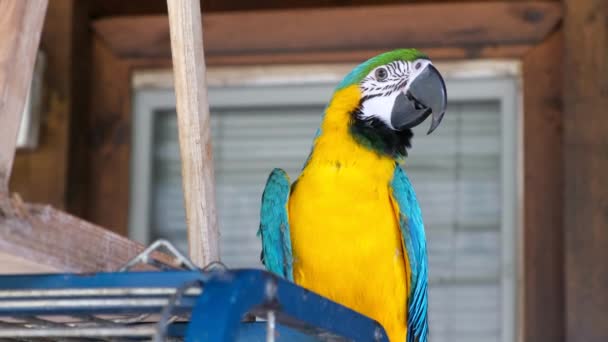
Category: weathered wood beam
[194,126]
[585,164]
[20,27]
[39,238]
[543,312]
[108,8]
[459,29]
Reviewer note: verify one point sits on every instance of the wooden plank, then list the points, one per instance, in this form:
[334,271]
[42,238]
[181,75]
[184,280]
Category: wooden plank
[147,7]
[338,30]
[194,124]
[543,310]
[65,53]
[37,238]
[585,165]
[20,27]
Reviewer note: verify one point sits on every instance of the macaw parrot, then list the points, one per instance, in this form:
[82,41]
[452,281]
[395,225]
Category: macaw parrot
[350,227]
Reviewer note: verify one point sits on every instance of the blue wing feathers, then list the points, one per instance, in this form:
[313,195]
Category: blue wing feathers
[274,225]
[412,229]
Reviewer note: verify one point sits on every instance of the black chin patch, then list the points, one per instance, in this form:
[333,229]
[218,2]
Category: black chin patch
[376,135]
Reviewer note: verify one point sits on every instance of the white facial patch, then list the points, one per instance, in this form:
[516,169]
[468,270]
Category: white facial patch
[379,107]
[381,93]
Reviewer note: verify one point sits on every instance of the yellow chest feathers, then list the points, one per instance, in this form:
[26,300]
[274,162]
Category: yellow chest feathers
[345,235]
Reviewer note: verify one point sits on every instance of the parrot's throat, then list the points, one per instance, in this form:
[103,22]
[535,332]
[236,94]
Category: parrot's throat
[373,133]
[343,119]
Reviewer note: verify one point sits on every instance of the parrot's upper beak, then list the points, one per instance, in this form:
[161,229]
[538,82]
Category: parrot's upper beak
[426,95]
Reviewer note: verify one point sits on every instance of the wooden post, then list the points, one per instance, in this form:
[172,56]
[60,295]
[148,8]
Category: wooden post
[543,312]
[20,27]
[194,129]
[585,93]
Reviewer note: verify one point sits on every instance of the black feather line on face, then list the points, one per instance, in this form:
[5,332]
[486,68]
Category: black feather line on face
[367,97]
[373,133]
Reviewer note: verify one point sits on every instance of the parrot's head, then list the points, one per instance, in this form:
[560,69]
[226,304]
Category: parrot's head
[393,92]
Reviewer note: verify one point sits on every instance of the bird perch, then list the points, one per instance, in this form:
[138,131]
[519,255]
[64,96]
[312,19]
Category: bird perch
[194,129]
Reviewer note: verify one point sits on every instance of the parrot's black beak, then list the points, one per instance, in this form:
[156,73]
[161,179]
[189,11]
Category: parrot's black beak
[425,96]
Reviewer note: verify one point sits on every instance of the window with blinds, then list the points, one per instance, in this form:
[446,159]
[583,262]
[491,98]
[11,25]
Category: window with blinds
[458,173]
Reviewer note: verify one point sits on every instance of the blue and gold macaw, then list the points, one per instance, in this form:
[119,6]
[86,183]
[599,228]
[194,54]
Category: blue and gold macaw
[350,227]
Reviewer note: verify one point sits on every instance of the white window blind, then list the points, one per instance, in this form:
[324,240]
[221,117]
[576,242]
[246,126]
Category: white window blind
[458,173]
[248,143]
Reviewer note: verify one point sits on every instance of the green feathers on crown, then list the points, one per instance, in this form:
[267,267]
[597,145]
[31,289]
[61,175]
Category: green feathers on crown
[364,68]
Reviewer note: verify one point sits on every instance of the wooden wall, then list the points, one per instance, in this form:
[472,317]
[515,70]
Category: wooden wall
[41,175]
[543,309]
[503,30]
[585,169]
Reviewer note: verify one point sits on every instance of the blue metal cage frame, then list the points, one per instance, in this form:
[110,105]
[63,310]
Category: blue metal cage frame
[190,305]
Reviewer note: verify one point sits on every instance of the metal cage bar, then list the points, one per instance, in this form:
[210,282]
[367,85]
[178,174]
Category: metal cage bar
[206,306]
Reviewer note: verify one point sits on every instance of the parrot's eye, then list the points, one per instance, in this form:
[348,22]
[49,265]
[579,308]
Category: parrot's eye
[381,74]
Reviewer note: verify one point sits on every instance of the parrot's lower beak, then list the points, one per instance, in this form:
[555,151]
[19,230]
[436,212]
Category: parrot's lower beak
[426,95]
